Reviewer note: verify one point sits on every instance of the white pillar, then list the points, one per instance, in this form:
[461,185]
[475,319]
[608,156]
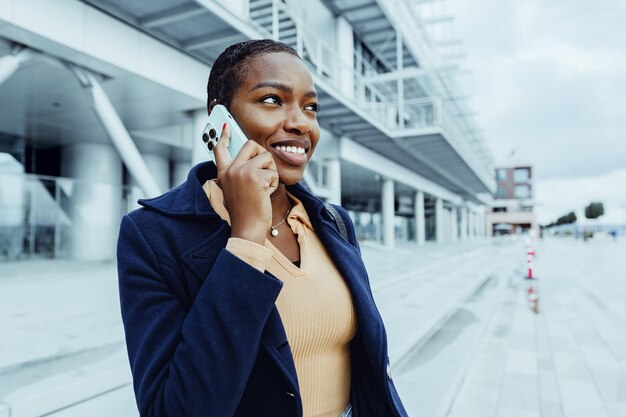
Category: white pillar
[198,153]
[388,212]
[463,234]
[180,170]
[334,180]
[160,167]
[13,205]
[438,220]
[400,81]
[95,199]
[420,219]
[454,224]
[471,223]
[345,52]
[156,157]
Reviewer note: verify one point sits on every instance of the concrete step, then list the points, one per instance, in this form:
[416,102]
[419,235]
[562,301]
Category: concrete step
[72,388]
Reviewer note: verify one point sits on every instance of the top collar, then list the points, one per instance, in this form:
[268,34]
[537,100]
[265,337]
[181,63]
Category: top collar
[216,198]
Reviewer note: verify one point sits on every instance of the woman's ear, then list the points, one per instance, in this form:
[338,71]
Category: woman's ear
[212,104]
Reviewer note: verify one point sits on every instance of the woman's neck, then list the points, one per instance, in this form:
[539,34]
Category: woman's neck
[280,203]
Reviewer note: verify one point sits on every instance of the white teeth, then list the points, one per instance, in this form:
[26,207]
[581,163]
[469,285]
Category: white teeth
[291,149]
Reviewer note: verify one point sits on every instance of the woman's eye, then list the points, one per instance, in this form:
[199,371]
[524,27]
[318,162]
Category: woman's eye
[270,100]
[312,107]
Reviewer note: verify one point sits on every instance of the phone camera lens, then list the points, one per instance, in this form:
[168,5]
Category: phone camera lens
[212,133]
[210,146]
[205,137]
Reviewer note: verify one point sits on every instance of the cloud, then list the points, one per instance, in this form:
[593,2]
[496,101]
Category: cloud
[558,196]
[548,81]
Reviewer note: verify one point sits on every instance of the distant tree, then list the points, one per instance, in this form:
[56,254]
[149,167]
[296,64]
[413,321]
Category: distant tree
[594,210]
[569,218]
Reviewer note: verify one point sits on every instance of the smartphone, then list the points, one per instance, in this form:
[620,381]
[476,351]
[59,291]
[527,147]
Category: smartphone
[213,130]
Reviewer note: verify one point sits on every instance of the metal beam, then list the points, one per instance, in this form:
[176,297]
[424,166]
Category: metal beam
[358,7]
[411,72]
[172,15]
[9,64]
[117,132]
[206,41]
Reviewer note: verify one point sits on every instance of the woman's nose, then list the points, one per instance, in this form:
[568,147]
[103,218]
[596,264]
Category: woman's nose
[297,122]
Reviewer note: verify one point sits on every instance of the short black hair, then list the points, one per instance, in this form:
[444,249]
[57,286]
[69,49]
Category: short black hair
[228,69]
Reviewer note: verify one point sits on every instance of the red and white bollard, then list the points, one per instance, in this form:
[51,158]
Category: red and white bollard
[533,299]
[530,258]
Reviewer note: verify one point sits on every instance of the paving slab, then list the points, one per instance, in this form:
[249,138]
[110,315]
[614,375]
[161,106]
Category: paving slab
[567,360]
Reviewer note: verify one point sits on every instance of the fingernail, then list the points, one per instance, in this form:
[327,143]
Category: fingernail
[224,127]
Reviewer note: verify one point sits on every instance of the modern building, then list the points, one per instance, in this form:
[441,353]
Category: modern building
[103,101]
[511,212]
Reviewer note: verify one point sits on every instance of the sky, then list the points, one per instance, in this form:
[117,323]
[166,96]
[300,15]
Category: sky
[548,83]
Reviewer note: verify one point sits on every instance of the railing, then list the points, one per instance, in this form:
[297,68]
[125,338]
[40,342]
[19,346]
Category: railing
[274,19]
[40,215]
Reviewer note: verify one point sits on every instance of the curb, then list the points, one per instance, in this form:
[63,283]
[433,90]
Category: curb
[439,320]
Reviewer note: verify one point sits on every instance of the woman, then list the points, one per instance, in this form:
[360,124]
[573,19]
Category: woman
[239,295]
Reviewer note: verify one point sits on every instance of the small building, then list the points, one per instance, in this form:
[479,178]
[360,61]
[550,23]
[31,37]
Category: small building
[511,211]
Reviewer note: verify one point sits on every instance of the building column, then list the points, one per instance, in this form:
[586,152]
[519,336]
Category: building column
[334,180]
[438,220]
[199,121]
[156,157]
[180,171]
[463,226]
[471,224]
[345,52]
[388,212]
[420,218]
[95,199]
[454,223]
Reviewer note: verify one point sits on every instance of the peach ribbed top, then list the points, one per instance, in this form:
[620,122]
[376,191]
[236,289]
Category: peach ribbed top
[315,306]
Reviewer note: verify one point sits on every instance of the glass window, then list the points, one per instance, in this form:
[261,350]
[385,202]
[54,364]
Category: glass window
[521,191]
[521,175]
[501,192]
[501,174]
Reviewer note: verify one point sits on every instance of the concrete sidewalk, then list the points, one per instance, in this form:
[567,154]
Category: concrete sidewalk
[567,361]
[63,352]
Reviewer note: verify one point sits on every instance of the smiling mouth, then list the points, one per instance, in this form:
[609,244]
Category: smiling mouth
[292,155]
[297,150]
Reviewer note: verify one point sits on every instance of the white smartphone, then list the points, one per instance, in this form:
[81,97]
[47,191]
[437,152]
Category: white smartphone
[213,130]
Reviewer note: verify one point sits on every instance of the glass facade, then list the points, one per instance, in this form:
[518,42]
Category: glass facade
[39,214]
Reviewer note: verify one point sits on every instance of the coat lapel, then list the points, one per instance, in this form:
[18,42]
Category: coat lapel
[350,264]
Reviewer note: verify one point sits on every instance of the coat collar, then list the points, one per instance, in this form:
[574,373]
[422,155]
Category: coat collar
[189,199]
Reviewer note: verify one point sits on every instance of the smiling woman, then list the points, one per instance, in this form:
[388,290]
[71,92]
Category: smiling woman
[241,294]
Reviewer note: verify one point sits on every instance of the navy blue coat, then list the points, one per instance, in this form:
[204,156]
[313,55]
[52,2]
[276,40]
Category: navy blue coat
[204,336]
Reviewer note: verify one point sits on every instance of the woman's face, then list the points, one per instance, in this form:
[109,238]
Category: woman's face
[276,106]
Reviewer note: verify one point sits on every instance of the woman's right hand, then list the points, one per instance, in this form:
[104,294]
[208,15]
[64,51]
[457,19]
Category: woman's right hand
[247,183]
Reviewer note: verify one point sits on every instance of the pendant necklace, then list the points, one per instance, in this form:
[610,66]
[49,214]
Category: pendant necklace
[274,231]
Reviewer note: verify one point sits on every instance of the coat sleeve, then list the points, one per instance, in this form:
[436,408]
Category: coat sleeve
[190,362]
